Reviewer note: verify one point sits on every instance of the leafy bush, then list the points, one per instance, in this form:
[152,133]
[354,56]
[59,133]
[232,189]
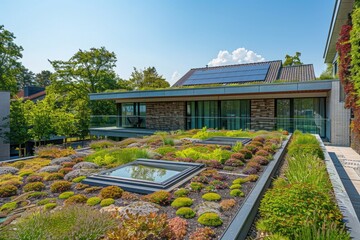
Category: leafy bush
[185,212]
[71,222]
[238,156]
[34,178]
[182,202]
[201,179]
[79,198]
[236,193]
[8,190]
[235,186]
[165,149]
[34,186]
[262,153]
[234,162]
[194,153]
[252,148]
[285,209]
[177,227]
[7,207]
[252,178]
[259,139]
[196,186]
[202,234]
[182,192]
[68,164]
[227,204]
[60,186]
[111,192]
[219,184]
[150,226]
[78,179]
[237,147]
[160,197]
[116,157]
[93,201]
[92,189]
[53,152]
[260,159]
[97,145]
[37,195]
[211,197]
[250,170]
[46,201]
[240,181]
[54,176]
[66,195]
[65,170]
[107,202]
[210,219]
[253,164]
[210,163]
[247,154]
[50,206]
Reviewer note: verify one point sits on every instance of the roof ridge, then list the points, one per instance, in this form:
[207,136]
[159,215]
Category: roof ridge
[232,65]
[301,65]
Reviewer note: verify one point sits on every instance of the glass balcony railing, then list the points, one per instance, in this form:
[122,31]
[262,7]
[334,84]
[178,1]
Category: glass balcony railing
[305,124]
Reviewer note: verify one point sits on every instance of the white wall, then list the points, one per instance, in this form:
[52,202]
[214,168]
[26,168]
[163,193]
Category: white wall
[339,118]
[4,112]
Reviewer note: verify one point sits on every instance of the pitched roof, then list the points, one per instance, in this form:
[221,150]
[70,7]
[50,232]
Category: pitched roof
[274,72]
[299,73]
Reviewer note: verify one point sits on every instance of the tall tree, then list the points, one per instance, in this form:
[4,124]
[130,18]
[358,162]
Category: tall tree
[39,119]
[42,79]
[86,72]
[10,67]
[147,79]
[292,60]
[25,78]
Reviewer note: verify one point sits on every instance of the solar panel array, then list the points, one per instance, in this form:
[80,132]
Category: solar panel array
[235,74]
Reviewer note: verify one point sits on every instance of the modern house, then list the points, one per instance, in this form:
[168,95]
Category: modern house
[258,96]
[4,113]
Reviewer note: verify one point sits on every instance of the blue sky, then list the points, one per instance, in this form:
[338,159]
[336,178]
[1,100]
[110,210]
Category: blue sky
[173,36]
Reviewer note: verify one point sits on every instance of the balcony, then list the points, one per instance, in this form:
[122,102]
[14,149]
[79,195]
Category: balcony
[137,126]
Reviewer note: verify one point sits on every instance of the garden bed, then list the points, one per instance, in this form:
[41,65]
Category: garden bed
[53,181]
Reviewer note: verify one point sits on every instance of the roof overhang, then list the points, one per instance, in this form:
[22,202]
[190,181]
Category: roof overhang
[341,13]
[321,85]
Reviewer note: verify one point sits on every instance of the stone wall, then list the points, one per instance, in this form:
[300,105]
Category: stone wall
[262,114]
[165,115]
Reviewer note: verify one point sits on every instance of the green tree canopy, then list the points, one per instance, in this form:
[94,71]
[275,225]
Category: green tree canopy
[147,79]
[292,60]
[42,79]
[10,67]
[25,78]
[328,73]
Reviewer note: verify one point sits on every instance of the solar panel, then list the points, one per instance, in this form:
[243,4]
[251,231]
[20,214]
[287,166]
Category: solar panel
[235,74]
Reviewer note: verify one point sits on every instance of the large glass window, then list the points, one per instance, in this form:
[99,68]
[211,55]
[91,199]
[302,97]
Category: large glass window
[133,115]
[304,114]
[235,114]
[232,114]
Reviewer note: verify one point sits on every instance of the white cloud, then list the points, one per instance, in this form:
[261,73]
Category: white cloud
[240,55]
[174,77]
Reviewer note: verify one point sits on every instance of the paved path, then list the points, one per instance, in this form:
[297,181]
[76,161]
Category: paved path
[346,160]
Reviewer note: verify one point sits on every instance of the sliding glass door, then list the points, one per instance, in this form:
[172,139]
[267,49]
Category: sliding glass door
[232,114]
[305,114]
[133,115]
